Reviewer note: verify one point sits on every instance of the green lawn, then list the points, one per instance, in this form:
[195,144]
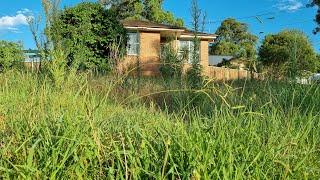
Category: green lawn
[94,129]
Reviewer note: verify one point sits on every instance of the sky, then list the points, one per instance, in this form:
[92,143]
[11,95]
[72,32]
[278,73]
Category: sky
[262,16]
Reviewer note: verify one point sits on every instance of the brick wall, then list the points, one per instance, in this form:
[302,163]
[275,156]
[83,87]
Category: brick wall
[149,58]
[150,53]
[204,53]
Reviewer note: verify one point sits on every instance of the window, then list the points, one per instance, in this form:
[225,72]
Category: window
[186,49]
[133,44]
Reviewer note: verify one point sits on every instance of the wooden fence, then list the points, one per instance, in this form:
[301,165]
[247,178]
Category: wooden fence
[217,73]
[32,65]
[226,74]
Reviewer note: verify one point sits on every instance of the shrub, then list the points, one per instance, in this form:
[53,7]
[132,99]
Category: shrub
[171,63]
[10,54]
[194,74]
[287,54]
[91,35]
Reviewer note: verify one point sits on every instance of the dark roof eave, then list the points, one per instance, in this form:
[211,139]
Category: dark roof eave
[151,26]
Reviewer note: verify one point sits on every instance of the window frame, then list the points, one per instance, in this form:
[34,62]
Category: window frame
[137,44]
[190,49]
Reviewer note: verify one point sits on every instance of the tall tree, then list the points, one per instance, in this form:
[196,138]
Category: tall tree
[194,74]
[234,39]
[316,3]
[143,10]
[125,8]
[288,53]
[92,36]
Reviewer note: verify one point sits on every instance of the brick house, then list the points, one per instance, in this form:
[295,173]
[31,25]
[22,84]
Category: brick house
[145,41]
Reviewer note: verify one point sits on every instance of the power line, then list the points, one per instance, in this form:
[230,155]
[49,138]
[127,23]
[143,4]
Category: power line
[259,15]
[297,22]
[289,24]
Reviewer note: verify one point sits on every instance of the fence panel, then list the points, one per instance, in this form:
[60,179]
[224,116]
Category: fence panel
[226,74]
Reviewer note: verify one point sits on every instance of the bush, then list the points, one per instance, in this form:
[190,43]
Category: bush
[91,35]
[194,74]
[287,54]
[10,54]
[171,63]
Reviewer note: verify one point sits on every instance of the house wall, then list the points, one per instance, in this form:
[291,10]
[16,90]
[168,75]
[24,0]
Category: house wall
[204,55]
[148,59]
[150,53]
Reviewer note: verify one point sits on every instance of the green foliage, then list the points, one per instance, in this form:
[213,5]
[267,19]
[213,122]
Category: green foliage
[48,41]
[317,18]
[288,53]
[194,77]
[171,64]
[144,10]
[318,63]
[91,36]
[224,48]
[234,39]
[194,74]
[263,130]
[10,54]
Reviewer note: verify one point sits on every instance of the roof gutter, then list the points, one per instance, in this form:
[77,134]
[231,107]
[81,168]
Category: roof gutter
[209,37]
[154,29]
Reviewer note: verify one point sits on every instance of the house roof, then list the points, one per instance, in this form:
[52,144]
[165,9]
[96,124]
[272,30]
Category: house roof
[152,26]
[187,31]
[148,24]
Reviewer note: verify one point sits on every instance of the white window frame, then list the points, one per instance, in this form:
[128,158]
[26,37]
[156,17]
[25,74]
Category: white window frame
[190,49]
[137,44]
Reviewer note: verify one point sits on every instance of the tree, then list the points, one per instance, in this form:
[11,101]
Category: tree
[194,74]
[318,63]
[316,3]
[154,12]
[288,53]
[125,8]
[143,10]
[234,39]
[92,36]
[10,54]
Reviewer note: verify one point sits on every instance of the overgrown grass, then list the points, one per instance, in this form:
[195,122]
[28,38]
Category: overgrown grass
[252,130]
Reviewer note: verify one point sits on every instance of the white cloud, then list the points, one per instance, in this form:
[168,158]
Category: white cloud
[25,11]
[289,5]
[13,29]
[11,23]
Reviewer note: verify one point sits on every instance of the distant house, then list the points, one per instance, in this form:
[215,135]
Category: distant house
[31,58]
[146,38]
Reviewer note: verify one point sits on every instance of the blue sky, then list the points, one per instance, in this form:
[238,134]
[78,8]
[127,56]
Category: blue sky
[284,14]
